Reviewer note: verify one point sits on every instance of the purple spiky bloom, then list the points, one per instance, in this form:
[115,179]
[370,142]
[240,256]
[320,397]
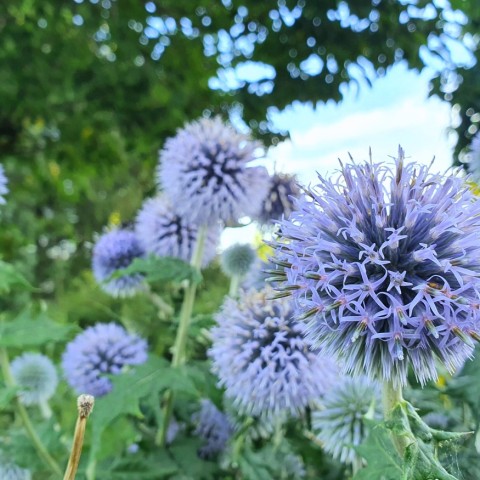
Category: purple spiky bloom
[166,234]
[3,185]
[36,377]
[205,168]
[342,423]
[213,427]
[114,251]
[262,359]
[10,471]
[100,350]
[384,262]
[279,200]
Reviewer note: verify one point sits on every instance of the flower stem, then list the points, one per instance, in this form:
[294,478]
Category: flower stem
[392,398]
[22,411]
[85,406]
[234,285]
[179,357]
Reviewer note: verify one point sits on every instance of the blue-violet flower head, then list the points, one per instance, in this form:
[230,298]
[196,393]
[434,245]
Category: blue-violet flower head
[3,185]
[36,377]
[262,359]
[9,471]
[279,201]
[205,168]
[385,265]
[213,427]
[100,350]
[342,422]
[237,259]
[114,251]
[166,234]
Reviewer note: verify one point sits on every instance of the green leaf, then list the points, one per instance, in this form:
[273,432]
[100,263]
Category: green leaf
[138,467]
[185,454]
[130,387]
[11,277]
[161,269]
[383,462]
[32,329]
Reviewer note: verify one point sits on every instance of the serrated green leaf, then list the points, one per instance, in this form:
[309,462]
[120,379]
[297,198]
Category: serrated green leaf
[11,277]
[383,462]
[130,387]
[138,467]
[185,454]
[161,269]
[31,329]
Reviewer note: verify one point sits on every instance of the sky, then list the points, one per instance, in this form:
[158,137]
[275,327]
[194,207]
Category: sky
[395,111]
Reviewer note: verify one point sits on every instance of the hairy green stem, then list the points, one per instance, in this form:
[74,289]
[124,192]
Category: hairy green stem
[392,398]
[179,355]
[22,411]
[234,285]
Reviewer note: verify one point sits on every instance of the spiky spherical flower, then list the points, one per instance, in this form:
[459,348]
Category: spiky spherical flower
[262,359]
[9,471]
[237,259]
[36,377]
[213,427]
[3,185]
[114,251]
[100,350]
[384,262]
[279,201]
[474,163]
[205,168]
[164,233]
[342,423]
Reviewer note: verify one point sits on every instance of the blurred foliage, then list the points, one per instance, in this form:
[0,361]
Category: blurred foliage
[90,90]
[461,86]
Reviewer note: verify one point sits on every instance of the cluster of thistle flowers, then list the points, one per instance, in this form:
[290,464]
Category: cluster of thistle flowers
[383,265]
[205,179]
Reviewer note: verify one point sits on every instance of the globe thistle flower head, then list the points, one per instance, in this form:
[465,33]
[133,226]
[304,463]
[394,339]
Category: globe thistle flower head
[474,163]
[166,234]
[36,377]
[114,251]
[237,259]
[213,427]
[262,359]
[3,185]
[103,349]
[205,168]
[279,201]
[342,423]
[9,471]
[384,264]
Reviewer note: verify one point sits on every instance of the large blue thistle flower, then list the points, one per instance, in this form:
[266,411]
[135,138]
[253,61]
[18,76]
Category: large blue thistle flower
[262,359]
[9,471]
[213,427]
[114,251]
[164,233]
[3,185]
[205,168]
[100,350]
[36,377]
[342,422]
[385,263]
[279,200]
